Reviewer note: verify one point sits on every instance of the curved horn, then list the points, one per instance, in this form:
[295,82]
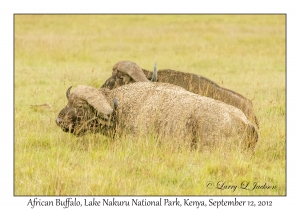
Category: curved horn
[68,92]
[95,98]
[115,103]
[132,69]
[154,75]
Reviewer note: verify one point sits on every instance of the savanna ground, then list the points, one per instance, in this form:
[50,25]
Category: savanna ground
[245,53]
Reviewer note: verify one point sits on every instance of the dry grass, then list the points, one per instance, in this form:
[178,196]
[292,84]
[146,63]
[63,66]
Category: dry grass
[243,53]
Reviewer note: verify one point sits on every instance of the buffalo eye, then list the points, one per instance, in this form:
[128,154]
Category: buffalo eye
[61,115]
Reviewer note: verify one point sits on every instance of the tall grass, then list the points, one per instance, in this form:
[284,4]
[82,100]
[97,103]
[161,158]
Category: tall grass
[245,53]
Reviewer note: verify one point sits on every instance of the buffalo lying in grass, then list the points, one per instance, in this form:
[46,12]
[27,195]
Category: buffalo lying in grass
[165,110]
[126,72]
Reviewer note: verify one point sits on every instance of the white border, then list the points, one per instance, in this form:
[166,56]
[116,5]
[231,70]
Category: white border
[8,201]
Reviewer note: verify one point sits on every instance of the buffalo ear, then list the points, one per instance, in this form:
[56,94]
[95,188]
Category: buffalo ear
[131,69]
[95,98]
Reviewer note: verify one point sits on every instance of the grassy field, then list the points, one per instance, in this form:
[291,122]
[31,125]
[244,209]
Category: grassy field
[245,53]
